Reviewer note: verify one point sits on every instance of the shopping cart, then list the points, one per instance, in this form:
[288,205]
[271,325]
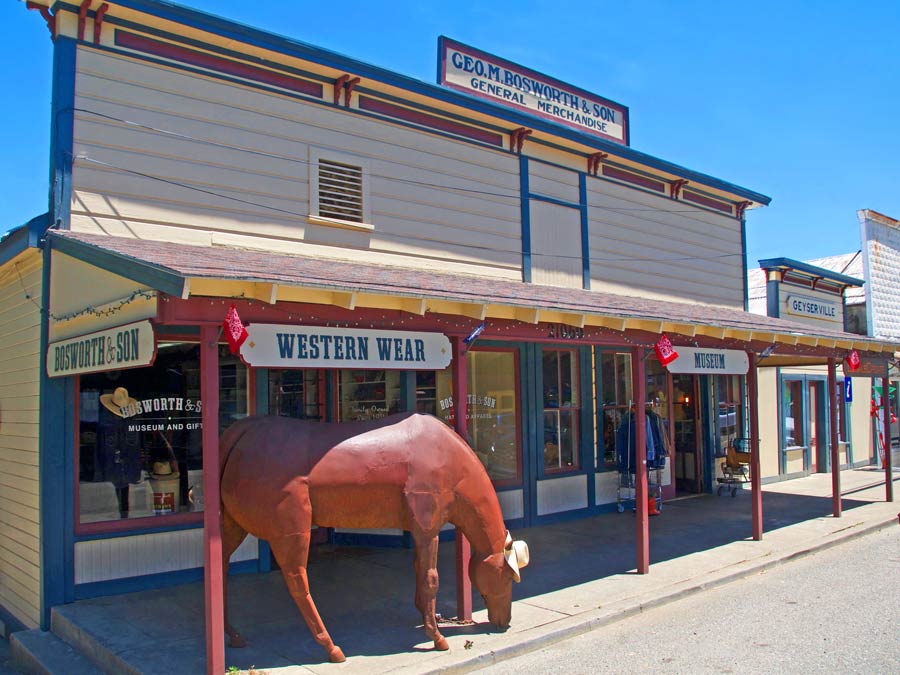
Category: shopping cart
[736,467]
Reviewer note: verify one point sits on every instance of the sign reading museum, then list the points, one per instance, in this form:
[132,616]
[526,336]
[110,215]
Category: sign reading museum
[714,361]
[481,74]
[285,346]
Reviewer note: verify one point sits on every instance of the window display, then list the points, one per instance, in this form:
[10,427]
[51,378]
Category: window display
[140,450]
[616,397]
[561,409]
[368,394]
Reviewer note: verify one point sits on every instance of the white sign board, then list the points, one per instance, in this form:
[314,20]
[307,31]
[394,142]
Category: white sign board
[710,361]
[285,346]
[800,305]
[481,74]
[126,346]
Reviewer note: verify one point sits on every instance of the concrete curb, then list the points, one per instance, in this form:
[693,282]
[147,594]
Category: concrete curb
[563,629]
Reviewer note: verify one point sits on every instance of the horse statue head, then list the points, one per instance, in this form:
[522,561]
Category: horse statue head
[493,577]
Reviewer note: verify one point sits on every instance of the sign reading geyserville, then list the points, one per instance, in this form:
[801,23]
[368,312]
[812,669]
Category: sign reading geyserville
[481,74]
[709,361]
[285,346]
[128,346]
[801,305]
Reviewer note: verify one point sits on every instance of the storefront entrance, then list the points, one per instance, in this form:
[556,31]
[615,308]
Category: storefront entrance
[688,464]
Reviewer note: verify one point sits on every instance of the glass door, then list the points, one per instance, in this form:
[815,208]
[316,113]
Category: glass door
[686,412]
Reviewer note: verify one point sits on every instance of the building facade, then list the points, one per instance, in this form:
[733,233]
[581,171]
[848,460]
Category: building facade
[459,249]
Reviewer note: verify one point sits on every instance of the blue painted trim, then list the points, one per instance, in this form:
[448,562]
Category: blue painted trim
[255,37]
[553,200]
[62,120]
[585,235]
[57,499]
[789,264]
[262,392]
[21,238]
[11,622]
[118,534]
[154,276]
[524,194]
[773,298]
[530,464]
[153,581]
[408,391]
[744,265]
[708,423]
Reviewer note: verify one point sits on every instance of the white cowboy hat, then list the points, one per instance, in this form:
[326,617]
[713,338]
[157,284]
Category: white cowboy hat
[516,554]
[117,400]
[163,470]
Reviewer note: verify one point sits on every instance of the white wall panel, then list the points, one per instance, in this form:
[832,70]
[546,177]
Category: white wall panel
[512,504]
[561,494]
[556,253]
[606,485]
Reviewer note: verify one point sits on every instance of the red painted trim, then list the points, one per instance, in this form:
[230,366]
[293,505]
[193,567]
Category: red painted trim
[641,493]
[348,90]
[217,63]
[213,577]
[48,17]
[463,548]
[724,207]
[82,17]
[628,177]
[834,400]
[98,21]
[594,161]
[740,208]
[424,119]
[675,188]
[886,425]
[339,87]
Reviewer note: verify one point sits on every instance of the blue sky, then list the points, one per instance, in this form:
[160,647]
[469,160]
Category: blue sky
[797,100]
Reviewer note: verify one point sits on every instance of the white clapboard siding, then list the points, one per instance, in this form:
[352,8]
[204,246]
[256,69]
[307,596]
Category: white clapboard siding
[552,181]
[19,402]
[432,197]
[652,246]
[556,257]
[122,557]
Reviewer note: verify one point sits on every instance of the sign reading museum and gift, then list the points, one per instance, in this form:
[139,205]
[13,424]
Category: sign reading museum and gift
[481,74]
[710,361]
[281,346]
[117,348]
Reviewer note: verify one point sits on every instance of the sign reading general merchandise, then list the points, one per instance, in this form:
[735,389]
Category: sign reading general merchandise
[126,346]
[711,361]
[281,346]
[481,74]
[800,305]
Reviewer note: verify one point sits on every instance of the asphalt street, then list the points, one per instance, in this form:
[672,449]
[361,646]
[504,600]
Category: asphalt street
[837,611]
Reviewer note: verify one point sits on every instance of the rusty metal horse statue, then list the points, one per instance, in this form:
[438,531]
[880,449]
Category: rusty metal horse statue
[281,476]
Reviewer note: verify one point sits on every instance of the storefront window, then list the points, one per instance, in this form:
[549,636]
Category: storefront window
[492,409]
[616,398]
[842,413]
[793,428]
[728,394]
[368,394]
[295,393]
[561,408]
[140,451]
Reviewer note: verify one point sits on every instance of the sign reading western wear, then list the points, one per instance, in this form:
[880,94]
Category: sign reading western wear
[127,346]
[800,305]
[713,361]
[481,74]
[281,346]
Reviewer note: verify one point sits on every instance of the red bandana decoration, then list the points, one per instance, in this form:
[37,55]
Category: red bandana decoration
[665,352]
[235,332]
[853,360]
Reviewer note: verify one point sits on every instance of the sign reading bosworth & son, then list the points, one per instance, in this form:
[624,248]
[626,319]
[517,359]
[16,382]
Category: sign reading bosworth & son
[481,74]
[280,346]
[126,346]
[713,361]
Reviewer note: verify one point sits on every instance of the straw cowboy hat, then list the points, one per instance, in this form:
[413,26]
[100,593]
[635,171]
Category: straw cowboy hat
[117,400]
[516,554]
[162,471]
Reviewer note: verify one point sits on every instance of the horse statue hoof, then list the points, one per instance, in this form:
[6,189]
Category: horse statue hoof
[336,655]
[441,644]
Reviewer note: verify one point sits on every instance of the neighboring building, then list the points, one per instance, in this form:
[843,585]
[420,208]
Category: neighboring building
[363,224]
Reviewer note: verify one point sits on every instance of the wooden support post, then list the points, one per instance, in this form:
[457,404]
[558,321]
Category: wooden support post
[886,425]
[755,477]
[212,526]
[834,401]
[639,387]
[460,423]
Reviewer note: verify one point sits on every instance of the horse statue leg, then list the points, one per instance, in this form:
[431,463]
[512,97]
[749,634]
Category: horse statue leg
[426,555]
[232,537]
[292,551]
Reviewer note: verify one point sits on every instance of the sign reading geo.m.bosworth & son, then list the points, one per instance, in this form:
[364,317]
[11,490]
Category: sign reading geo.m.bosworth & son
[286,346]
[117,348]
[481,74]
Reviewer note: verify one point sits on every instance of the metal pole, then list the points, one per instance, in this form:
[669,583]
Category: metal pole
[639,386]
[834,402]
[886,424]
[755,476]
[460,423]
[213,579]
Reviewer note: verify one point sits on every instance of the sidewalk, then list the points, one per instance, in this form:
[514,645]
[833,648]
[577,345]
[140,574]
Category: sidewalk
[582,576]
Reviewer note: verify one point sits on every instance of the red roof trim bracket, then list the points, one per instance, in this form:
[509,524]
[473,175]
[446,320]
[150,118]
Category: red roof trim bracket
[48,17]
[594,161]
[675,188]
[82,17]
[98,21]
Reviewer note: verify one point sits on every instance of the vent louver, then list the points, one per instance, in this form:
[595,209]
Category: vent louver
[340,191]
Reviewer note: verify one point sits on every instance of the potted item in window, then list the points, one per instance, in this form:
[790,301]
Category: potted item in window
[164,481]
